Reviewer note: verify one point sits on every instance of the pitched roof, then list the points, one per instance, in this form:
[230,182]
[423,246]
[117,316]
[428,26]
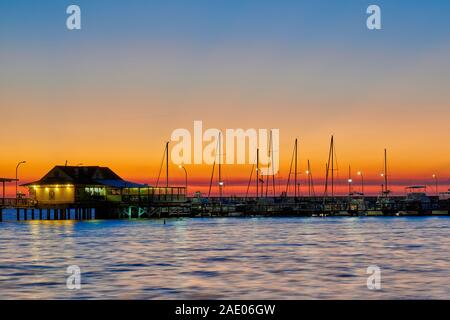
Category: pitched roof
[84,175]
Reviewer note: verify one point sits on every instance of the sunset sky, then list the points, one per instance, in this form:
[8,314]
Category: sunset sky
[111,93]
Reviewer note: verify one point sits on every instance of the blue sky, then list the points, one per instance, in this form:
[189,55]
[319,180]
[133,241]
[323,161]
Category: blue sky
[203,23]
[310,68]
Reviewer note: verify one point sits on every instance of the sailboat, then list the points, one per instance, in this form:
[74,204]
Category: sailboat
[329,205]
[356,201]
[289,206]
[385,203]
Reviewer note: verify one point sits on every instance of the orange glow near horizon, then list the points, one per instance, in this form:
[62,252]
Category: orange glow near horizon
[95,103]
[236,177]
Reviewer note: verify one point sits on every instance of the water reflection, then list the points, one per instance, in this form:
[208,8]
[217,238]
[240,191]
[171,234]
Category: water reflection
[265,258]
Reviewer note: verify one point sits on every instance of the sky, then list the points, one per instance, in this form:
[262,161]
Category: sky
[111,93]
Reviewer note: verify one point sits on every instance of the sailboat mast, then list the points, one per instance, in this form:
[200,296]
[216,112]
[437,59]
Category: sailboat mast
[211,180]
[220,168]
[272,164]
[332,167]
[267,175]
[295,171]
[385,172]
[167,164]
[257,173]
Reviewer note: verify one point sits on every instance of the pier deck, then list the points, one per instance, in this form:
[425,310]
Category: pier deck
[141,207]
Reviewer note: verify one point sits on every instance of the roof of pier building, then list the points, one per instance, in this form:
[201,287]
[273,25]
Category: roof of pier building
[84,175]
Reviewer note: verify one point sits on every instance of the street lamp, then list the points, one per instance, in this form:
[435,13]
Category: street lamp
[436,183]
[362,181]
[185,175]
[17,179]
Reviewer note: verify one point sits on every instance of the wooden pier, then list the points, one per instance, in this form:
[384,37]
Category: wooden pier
[26,209]
[141,208]
[93,192]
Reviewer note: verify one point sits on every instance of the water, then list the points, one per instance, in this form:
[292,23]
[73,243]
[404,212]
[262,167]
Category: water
[227,258]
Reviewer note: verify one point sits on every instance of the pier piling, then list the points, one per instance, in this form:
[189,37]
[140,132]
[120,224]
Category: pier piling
[1,214]
[18,214]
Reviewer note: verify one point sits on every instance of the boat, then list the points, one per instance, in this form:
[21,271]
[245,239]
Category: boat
[357,203]
[385,203]
[416,202]
[444,196]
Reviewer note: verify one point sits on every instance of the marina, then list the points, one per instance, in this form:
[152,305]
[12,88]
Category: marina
[213,159]
[95,192]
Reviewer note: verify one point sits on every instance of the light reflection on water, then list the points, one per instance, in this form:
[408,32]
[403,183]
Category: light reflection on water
[227,258]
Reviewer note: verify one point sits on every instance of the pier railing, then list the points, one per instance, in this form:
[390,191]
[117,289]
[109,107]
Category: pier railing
[154,195]
[17,203]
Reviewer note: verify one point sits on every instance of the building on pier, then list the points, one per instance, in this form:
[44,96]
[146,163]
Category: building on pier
[78,184]
[67,185]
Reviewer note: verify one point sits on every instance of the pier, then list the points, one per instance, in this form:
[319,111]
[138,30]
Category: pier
[93,192]
[178,205]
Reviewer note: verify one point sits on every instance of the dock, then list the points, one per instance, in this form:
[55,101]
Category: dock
[165,206]
[93,192]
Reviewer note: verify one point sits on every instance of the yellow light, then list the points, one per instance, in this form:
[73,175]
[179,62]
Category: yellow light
[307,172]
[359,173]
[350,180]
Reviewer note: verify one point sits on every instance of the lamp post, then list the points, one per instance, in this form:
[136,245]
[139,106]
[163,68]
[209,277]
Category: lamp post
[436,183]
[17,179]
[362,181]
[185,175]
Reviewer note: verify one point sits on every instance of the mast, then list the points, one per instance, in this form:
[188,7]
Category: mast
[310,180]
[332,166]
[167,164]
[267,175]
[272,164]
[295,172]
[249,181]
[257,173]
[325,192]
[327,172]
[385,173]
[220,169]
[211,180]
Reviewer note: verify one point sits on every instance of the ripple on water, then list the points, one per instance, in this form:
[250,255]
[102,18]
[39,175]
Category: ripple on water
[264,258]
